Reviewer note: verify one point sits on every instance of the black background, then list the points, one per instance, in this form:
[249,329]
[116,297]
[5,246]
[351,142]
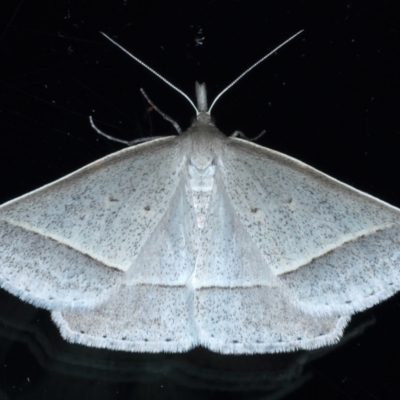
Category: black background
[329,98]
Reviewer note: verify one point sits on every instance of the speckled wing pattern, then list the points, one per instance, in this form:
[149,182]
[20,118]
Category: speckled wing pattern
[283,250]
[68,245]
[284,257]
[224,309]
[152,310]
[334,250]
[239,304]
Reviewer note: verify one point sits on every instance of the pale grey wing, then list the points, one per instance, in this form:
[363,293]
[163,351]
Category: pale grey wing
[74,237]
[150,318]
[228,256]
[144,318]
[259,320]
[356,276]
[334,249]
[239,306]
[51,275]
[213,308]
[168,258]
[153,309]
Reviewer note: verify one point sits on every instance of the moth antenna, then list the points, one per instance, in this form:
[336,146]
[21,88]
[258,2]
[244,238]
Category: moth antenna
[253,66]
[154,72]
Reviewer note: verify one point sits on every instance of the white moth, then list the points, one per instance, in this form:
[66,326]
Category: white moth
[200,239]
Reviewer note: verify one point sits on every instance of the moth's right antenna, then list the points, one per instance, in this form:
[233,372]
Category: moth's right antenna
[154,72]
[253,66]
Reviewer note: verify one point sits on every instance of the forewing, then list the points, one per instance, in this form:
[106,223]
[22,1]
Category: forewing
[228,256]
[81,231]
[168,258]
[334,249]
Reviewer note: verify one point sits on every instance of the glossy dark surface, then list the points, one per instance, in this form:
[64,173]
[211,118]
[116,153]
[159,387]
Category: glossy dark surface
[330,98]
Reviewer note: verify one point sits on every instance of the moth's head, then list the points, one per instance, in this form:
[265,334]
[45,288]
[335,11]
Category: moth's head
[204,118]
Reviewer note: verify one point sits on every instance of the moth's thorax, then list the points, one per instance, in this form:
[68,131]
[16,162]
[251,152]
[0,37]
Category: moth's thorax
[205,146]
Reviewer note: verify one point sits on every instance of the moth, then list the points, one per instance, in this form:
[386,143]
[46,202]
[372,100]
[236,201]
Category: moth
[200,239]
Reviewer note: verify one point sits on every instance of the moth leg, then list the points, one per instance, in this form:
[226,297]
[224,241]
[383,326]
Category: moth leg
[127,142]
[243,136]
[165,116]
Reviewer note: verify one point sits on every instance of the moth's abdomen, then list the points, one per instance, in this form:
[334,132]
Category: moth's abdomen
[201,182]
